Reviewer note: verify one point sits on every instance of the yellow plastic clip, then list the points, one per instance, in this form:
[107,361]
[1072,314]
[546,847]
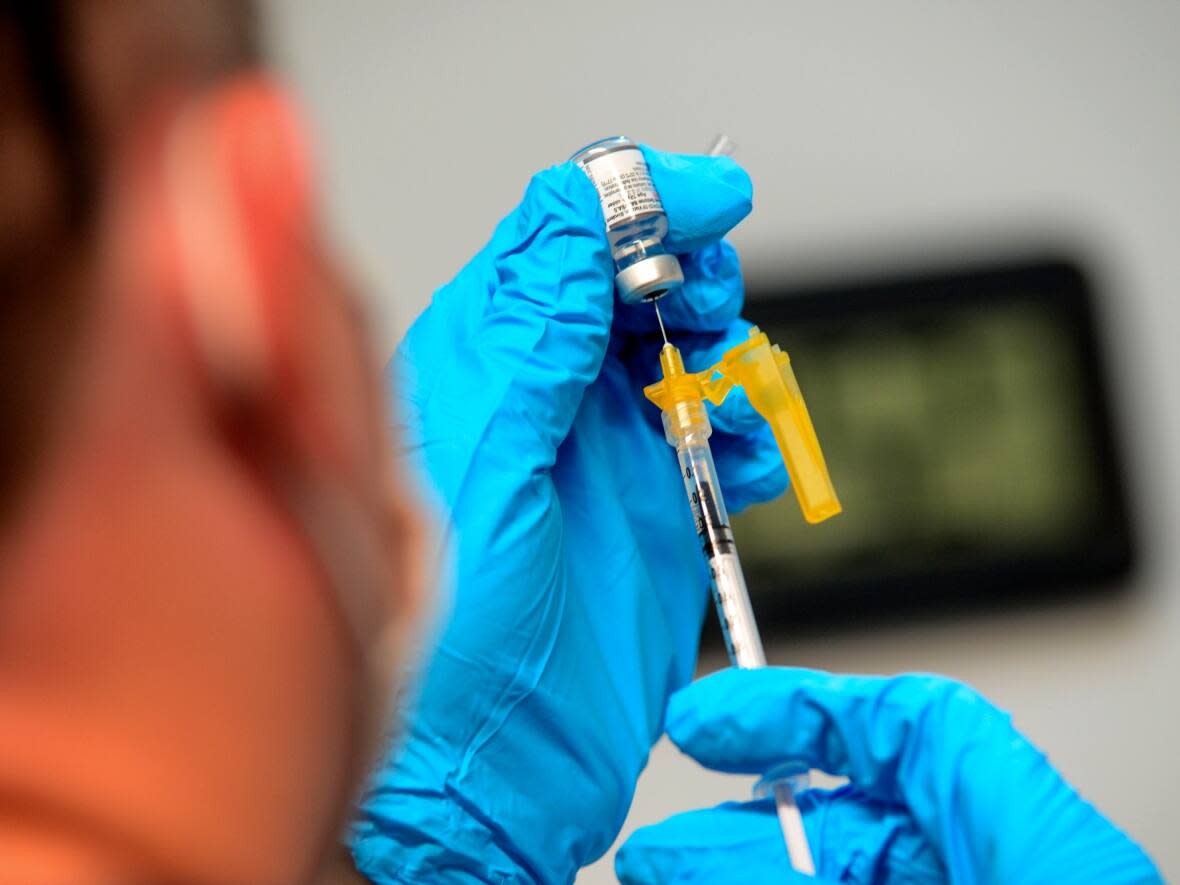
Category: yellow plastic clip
[764,372]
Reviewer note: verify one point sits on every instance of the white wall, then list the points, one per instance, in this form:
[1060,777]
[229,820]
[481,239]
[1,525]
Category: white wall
[874,133]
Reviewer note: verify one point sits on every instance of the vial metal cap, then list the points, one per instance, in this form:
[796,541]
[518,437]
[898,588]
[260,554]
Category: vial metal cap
[649,279]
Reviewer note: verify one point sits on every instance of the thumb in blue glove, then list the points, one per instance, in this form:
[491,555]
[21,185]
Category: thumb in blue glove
[942,787]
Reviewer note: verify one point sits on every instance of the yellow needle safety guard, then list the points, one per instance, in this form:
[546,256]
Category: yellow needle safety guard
[763,371]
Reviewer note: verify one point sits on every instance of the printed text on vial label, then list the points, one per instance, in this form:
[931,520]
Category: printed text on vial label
[624,186]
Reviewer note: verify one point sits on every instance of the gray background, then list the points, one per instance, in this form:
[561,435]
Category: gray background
[877,135]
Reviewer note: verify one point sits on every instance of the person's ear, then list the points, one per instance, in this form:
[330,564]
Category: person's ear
[215,203]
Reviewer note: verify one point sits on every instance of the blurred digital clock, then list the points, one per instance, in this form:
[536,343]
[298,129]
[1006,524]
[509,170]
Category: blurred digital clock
[966,423]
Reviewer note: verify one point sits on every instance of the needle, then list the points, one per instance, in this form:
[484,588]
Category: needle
[660,320]
[722,146]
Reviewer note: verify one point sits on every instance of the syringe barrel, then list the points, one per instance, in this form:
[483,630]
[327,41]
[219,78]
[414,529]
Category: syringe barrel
[686,425]
[688,429]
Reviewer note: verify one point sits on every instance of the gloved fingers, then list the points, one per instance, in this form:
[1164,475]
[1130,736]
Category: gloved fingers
[736,843]
[710,300]
[704,197]
[524,329]
[464,300]
[529,319]
[713,292]
[888,735]
[986,799]
[548,256]
[852,838]
[856,838]
[750,468]
[735,415]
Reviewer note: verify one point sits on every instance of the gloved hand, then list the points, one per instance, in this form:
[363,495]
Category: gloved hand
[942,788]
[579,586]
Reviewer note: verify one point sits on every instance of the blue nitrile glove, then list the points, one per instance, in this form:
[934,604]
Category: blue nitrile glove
[579,585]
[942,788]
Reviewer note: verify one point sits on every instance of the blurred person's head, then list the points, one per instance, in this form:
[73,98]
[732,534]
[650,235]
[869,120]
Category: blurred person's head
[206,554]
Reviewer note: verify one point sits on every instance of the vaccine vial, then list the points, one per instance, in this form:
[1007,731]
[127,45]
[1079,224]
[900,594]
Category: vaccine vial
[635,221]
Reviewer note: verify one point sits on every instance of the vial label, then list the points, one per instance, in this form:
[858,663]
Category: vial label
[624,185]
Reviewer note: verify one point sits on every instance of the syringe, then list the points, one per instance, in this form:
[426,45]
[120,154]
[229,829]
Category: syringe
[765,373]
[646,271]
[687,427]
